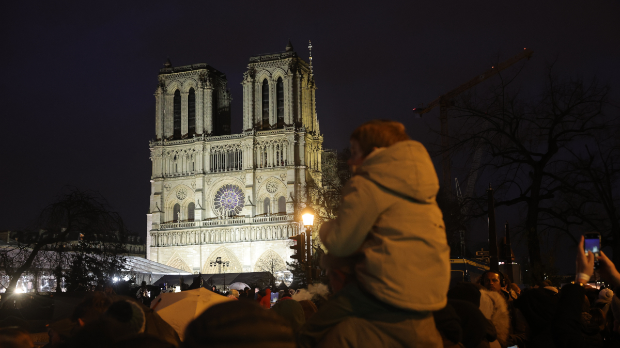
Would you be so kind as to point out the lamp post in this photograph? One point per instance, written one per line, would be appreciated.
(218, 261)
(307, 216)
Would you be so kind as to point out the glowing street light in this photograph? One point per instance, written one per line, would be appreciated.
(307, 215)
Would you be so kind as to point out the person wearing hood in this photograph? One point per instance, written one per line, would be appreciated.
(265, 300)
(390, 223)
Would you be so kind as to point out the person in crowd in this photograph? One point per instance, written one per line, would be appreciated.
(547, 284)
(15, 337)
(91, 308)
(538, 306)
(234, 294)
(265, 298)
(123, 319)
(129, 314)
(97, 307)
(498, 282)
(462, 322)
(143, 294)
(491, 305)
(510, 324)
(568, 326)
(604, 300)
(291, 310)
(246, 294)
(391, 227)
(237, 324)
(196, 283)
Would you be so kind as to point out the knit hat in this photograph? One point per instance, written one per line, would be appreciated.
(128, 313)
(605, 296)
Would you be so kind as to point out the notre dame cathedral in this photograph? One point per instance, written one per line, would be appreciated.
(232, 196)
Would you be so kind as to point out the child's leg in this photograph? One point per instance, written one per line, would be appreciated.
(353, 302)
(348, 302)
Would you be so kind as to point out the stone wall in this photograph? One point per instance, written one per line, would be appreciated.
(242, 256)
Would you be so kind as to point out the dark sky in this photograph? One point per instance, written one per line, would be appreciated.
(77, 105)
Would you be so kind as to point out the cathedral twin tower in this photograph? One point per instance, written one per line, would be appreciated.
(234, 196)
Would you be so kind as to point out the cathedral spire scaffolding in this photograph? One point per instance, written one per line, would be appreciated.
(310, 54)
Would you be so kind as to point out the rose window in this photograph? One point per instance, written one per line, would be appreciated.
(272, 187)
(229, 200)
(181, 194)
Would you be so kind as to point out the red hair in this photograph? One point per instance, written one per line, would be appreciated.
(378, 133)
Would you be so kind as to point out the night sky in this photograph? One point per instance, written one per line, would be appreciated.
(77, 98)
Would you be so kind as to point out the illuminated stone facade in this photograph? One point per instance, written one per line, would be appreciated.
(216, 194)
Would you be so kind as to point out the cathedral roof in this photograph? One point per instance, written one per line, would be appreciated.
(169, 69)
(288, 53)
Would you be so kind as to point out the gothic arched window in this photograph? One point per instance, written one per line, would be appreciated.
(280, 98)
(176, 213)
(265, 104)
(281, 205)
(266, 207)
(177, 115)
(190, 211)
(215, 103)
(191, 112)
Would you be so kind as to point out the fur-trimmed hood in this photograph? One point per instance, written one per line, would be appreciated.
(494, 307)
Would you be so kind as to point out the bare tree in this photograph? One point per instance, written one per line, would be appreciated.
(75, 215)
(525, 141)
(591, 200)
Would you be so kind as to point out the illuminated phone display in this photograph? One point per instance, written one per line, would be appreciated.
(593, 245)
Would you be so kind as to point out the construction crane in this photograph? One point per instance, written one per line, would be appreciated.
(444, 103)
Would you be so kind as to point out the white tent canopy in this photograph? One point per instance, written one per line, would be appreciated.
(238, 286)
(149, 271)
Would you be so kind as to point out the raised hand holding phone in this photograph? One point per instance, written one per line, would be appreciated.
(608, 270)
(592, 244)
(584, 263)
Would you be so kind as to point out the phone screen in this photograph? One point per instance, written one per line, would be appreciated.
(593, 245)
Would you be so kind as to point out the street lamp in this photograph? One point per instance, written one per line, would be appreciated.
(307, 216)
(218, 261)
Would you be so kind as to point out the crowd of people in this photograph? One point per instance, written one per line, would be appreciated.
(389, 279)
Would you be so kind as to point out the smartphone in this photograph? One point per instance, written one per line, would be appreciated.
(593, 245)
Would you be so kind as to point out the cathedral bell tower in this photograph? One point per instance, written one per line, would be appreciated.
(191, 100)
(278, 92)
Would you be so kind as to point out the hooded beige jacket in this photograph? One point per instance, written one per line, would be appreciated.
(390, 216)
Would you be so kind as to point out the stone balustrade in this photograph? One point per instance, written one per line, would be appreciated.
(227, 231)
(226, 222)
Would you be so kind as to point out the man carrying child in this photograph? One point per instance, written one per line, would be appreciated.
(390, 237)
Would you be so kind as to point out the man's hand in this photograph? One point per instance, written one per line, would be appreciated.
(585, 264)
(608, 270)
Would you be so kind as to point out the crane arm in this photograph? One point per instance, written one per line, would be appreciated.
(476, 80)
